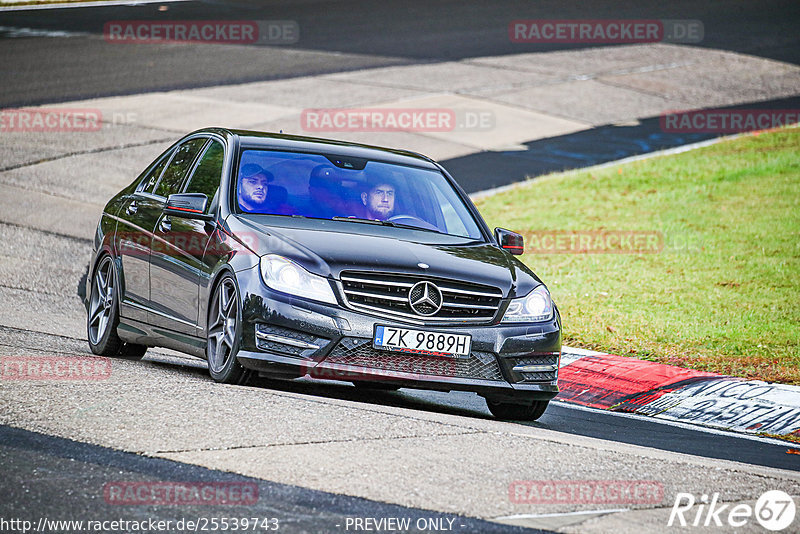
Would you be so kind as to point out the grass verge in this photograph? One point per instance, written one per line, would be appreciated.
(714, 284)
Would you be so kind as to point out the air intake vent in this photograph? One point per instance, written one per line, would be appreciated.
(359, 352)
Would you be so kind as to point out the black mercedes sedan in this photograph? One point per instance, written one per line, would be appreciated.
(288, 256)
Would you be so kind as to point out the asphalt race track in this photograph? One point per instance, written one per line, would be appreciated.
(320, 452)
(66, 472)
(336, 36)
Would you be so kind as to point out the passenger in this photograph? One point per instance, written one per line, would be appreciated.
(256, 196)
(379, 201)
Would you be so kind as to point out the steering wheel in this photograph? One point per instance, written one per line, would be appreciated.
(411, 220)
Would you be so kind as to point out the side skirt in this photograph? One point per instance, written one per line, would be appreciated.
(140, 333)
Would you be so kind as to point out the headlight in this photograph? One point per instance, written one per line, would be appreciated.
(536, 306)
(286, 276)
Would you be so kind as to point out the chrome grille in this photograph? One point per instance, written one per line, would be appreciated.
(387, 293)
(359, 352)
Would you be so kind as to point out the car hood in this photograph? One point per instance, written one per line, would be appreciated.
(326, 249)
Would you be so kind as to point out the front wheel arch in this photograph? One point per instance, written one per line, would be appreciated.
(214, 280)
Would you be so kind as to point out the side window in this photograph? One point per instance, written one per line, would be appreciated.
(206, 176)
(176, 171)
(149, 182)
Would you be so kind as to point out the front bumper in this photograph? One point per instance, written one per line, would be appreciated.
(288, 336)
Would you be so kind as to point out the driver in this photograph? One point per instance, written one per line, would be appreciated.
(379, 201)
(255, 196)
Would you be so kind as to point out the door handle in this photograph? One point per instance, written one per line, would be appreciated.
(166, 224)
(132, 208)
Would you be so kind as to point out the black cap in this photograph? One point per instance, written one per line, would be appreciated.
(252, 169)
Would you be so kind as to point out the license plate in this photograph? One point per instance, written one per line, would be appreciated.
(422, 341)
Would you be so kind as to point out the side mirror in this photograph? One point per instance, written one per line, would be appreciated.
(188, 206)
(510, 241)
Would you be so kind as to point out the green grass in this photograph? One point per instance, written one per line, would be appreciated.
(723, 294)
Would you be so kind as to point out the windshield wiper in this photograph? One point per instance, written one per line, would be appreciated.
(389, 223)
(276, 214)
(365, 221)
(411, 226)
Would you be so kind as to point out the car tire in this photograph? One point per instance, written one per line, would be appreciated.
(223, 332)
(102, 315)
(507, 411)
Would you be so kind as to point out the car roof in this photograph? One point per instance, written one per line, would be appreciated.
(256, 139)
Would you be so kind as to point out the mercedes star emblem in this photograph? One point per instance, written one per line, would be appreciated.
(425, 298)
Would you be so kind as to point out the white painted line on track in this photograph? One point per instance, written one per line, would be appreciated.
(69, 5)
(12, 32)
(561, 514)
(687, 426)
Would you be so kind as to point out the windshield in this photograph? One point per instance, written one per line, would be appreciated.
(310, 185)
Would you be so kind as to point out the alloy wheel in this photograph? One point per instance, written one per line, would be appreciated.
(224, 318)
(101, 304)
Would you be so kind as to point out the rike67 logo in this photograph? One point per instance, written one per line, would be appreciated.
(774, 510)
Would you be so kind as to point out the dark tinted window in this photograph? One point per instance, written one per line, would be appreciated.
(176, 171)
(208, 172)
(149, 182)
(293, 183)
